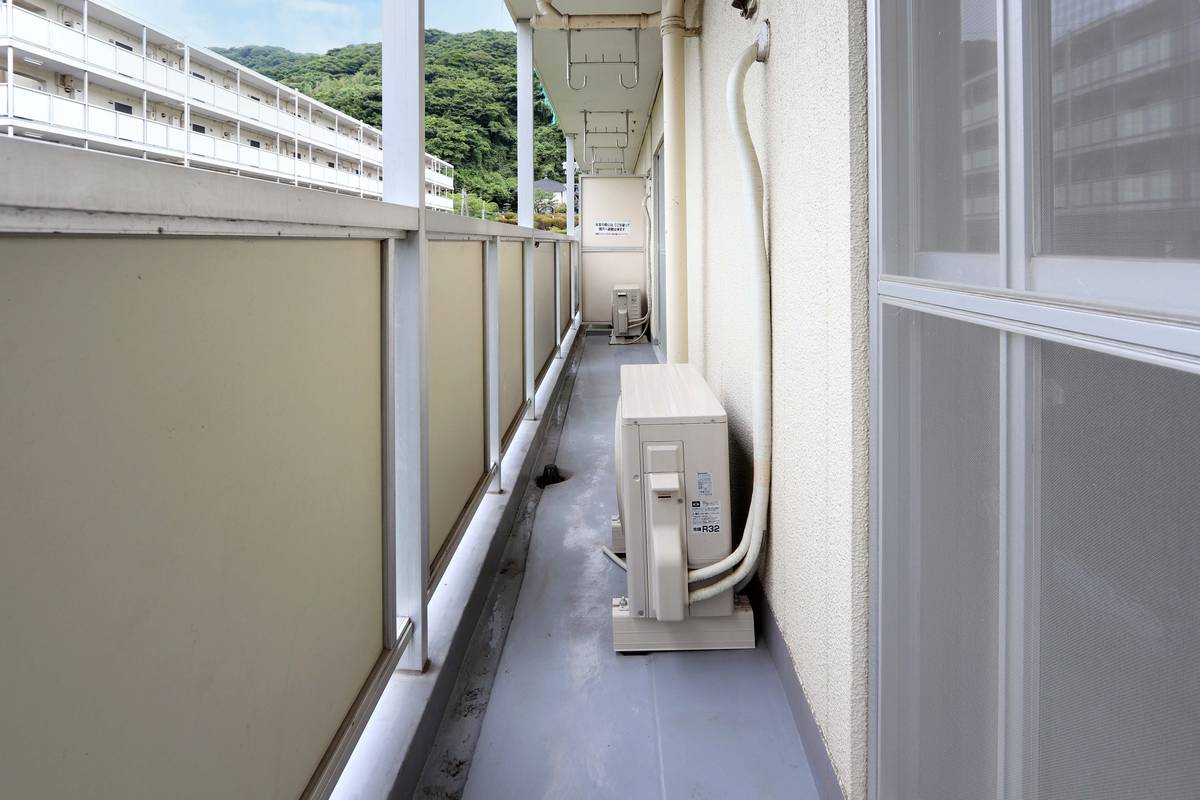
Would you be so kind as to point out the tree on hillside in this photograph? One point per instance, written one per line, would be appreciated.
(470, 102)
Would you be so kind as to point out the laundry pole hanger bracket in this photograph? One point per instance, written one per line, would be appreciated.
(607, 131)
(620, 62)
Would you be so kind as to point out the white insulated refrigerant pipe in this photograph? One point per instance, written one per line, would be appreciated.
(745, 557)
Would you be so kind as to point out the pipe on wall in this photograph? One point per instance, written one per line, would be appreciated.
(749, 550)
(674, 188)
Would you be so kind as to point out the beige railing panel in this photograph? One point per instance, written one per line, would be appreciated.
(564, 286)
(190, 511)
(603, 271)
(457, 414)
(512, 333)
(543, 300)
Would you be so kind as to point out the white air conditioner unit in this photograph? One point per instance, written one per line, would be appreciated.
(672, 470)
(627, 322)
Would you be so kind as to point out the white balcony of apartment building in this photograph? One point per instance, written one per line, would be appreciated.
(103, 45)
(66, 39)
(269, 506)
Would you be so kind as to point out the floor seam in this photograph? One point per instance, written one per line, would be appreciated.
(662, 768)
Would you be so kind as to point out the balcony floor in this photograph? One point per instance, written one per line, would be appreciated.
(569, 718)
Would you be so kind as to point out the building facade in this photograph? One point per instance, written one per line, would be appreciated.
(82, 74)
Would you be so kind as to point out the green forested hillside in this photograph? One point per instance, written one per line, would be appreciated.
(470, 101)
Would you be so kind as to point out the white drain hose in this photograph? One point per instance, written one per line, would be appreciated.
(746, 556)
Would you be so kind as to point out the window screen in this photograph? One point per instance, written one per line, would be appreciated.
(1114, 633)
(939, 549)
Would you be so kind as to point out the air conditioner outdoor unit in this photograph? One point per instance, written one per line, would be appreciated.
(627, 311)
(672, 470)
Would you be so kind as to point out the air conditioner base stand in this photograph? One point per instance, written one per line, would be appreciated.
(618, 536)
(640, 635)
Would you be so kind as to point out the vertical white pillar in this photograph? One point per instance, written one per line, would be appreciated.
(570, 168)
(674, 186)
(491, 289)
(408, 267)
(524, 124)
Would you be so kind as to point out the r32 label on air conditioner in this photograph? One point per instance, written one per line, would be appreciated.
(706, 516)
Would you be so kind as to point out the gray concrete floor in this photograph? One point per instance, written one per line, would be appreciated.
(568, 718)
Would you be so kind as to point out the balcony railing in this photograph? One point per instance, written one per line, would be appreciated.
(104, 56)
(72, 115)
(260, 265)
(97, 53)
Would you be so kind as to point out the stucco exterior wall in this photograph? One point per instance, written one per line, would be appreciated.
(807, 109)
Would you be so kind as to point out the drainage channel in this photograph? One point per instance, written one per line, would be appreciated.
(449, 762)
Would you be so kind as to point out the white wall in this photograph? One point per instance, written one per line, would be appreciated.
(807, 109)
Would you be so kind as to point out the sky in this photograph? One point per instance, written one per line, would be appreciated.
(305, 25)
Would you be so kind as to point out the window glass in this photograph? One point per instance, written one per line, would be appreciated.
(955, 130)
(1121, 105)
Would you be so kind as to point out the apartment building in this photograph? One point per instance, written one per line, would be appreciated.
(85, 74)
(305, 495)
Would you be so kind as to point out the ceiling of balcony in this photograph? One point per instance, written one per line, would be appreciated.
(604, 91)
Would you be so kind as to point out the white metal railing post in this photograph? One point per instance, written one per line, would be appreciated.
(87, 106)
(187, 105)
(8, 85)
(558, 321)
(528, 311)
(576, 277)
(524, 124)
(408, 263)
(8, 80)
(491, 290)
